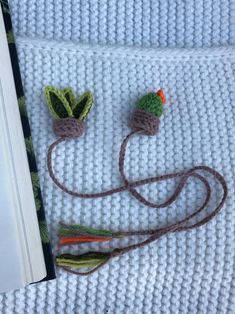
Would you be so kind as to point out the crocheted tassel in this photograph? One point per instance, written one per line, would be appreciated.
(76, 234)
(87, 260)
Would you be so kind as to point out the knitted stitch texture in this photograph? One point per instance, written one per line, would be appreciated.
(190, 272)
(162, 23)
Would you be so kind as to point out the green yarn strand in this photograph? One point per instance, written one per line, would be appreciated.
(87, 260)
(65, 230)
(93, 230)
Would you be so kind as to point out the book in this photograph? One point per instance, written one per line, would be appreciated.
(25, 249)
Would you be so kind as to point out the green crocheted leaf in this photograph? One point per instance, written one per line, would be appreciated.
(44, 232)
(83, 106)
(151, 103)
(57, 103)
(70, 97)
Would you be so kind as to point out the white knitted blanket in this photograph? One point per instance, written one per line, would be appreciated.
(120, 50)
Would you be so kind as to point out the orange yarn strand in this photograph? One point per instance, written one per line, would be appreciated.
(74, 240)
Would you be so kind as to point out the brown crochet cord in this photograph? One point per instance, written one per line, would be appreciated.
(147, 124)
(181, 225)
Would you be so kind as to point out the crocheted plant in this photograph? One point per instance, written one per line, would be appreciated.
(62, 103)
(153, 103)
(69, 112)
(146, 117)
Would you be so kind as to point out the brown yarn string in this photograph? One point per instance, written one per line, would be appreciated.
(130, 186)
(155, 234)
(141, 123)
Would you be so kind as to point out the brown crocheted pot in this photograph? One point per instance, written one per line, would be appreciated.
(68, 127)
(145, 121)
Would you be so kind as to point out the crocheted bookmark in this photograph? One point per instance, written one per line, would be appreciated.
(69, 115)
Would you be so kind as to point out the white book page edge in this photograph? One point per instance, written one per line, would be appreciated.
(26, 210)
(12, 274)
